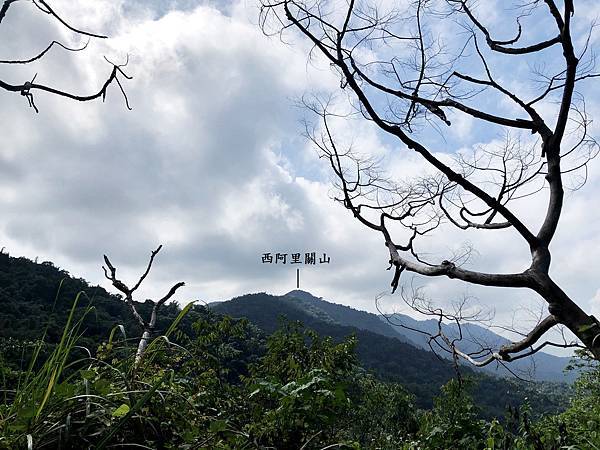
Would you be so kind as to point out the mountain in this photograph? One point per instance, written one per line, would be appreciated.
(37, 297)
(29, 305)
(541, 366)
(389, 357)
(344, 315)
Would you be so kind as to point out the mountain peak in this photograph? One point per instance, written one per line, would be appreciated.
(302, 295)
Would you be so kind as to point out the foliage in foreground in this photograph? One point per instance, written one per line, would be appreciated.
(226, 386)
(29, 299)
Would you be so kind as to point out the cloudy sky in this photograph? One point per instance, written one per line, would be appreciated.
(212, 164)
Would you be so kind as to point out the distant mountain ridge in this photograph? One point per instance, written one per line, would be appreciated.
(541, 367)
(28, 290)
(389, 357)
(27, 303)
(345, 315)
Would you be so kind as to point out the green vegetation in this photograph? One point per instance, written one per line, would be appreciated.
(209, 381)
(387, 358)
(29, 302)
(226, 386)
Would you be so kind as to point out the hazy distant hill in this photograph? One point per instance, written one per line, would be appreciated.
(541, 366)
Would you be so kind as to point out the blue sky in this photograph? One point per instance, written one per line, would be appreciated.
(211, 163)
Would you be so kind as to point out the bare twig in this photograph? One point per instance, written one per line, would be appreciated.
(110, 272)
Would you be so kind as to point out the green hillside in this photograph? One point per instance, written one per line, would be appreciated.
(420, 371)
(27, 303)
(345, 315)
(34, 296)
(260, 382)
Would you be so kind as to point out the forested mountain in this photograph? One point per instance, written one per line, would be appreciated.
(541, 367)
(345, 315)
(29, 304)
(390, 358)
(37, 297)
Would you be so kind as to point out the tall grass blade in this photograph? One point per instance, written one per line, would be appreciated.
(138, 405)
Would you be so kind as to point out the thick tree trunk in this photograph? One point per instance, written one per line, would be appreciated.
(144, 341)
(585, 327)
(568, 313)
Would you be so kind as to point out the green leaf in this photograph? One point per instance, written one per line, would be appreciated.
(64, 390)
(253, 393)
(102, 387)
(138, 405)
(218, 426)
(121, 410)
(27, 412)
(87, 374)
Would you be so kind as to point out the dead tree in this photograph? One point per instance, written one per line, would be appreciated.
(148, 326)
(409, 80)
(28, 88)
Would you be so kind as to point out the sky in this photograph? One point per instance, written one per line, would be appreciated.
(211, 163)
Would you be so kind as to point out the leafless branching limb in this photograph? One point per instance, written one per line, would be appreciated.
(110, 272)
(403, 78)
(28, 88)
(453, 339)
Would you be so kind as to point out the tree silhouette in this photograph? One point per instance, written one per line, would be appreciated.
(28, 88)
(410, 67)
(110, 272)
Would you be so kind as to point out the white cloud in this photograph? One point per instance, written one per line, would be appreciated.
(595, 304)
(199, 165)
(210, 164)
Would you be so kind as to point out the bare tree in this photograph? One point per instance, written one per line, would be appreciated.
(406, 77)
(28, 88)
(148, 326)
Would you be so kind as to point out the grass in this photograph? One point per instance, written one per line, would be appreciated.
(72, 395)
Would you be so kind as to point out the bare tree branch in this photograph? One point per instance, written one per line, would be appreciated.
(110, 272)
(46, 8)
(28, 88)
(42, 53)
(533, 336)
(400, 76)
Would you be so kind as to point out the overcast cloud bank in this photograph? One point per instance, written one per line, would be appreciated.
(211, 164)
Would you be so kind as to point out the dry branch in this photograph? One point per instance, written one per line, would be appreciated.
(417, 87)
(148, 326)
(27, 88)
